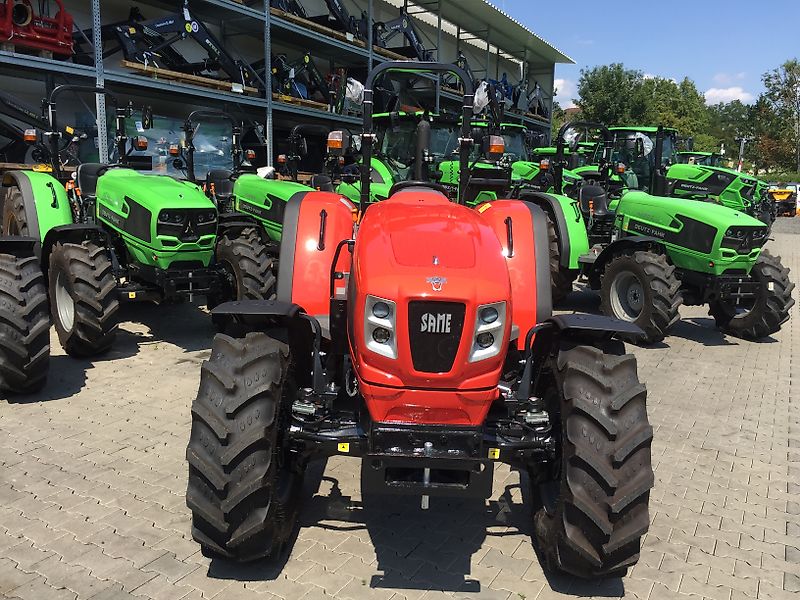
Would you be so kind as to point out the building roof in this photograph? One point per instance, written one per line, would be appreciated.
(480, 18)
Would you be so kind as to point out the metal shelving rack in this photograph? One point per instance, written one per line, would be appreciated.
(245, 19)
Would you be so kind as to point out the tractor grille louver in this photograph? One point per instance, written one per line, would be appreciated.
(435, 330)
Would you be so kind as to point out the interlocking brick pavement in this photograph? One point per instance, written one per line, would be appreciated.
(92, 482)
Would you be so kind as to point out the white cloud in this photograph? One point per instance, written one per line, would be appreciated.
(717, 95)
(566, 90)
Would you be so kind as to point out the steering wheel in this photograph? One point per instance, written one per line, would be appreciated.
(402, 185)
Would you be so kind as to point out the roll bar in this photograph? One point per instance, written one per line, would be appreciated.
(52, 117)
(368, 136)
(608, 146)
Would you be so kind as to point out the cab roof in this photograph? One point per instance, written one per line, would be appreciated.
(642, 128)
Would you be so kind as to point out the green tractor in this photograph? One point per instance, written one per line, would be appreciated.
(233, 184)
(113, 235)
(648, 254)
(650, 153)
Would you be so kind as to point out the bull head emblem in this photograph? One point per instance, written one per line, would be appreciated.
(437, 282)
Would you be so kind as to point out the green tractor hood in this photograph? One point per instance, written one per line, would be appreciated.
(162, 219)
(701, 236)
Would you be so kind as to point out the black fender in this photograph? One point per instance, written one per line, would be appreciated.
(20, 180)
(21, 247)
(284, 321)
(556, 213)
(73, 234)
(624, 245)
(544, 340)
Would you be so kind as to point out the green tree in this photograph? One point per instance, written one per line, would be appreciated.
(729, 121)
(672, 104)
(611, 94)
(782, 99)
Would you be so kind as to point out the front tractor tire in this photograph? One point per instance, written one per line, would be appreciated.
(83, 298)
(24, 325)
(244, 484)
(642, 288)
(246, 266)
(593, 515)
(770, 309)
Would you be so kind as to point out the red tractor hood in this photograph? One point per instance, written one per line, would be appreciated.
(438, 263)
(412, 239)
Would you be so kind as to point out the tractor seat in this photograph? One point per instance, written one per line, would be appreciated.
(322, 183)
(595, 195)
(223, 184)
(87, 176)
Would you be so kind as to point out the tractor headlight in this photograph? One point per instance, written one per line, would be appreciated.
(381, 335)
(381, 310)
(487, 337)
(204, 218)
(744, 239)
(380, 325)
(170, 217)
(489, 315)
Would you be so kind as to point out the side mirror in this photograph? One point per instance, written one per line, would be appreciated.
(302, 147)
(639, 147)
(493, 147)
(147, 117)
(338, 141)
(690, 144)
(355, 143)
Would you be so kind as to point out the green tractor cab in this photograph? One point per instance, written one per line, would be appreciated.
(116, 234)
(407, 146)
(654, 166)
(649, 254)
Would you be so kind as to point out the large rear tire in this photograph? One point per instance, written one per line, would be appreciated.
(15, 219)
(642, 288)
(247, 267)
(244, 483)
(83, 298)
(593, 515)
(768, 312)
(560, 278)
(24, 325)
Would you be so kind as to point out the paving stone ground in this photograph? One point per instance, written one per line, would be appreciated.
(92, 482)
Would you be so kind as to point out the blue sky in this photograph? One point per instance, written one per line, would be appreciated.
(724, 46)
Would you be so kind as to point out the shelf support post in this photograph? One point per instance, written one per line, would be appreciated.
(100, 99)
(438, 53)
(268, 77)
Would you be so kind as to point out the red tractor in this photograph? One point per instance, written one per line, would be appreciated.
(417, 334)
